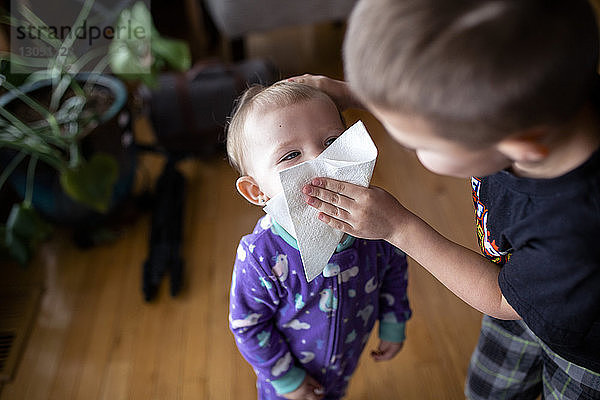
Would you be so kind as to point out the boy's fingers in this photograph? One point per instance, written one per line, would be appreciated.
(328, 209)
(336, 223)
(298, 77)
(344, 188)
(328, 197)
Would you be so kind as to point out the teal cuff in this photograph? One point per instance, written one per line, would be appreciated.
(278, 230)
(392, 331)
(290, 381)
(344, 244)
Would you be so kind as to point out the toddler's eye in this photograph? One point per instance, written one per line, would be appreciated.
(290, 156)
(330, 140)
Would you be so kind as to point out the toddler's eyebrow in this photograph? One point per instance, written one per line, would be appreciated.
(275, 152)
(279, 145)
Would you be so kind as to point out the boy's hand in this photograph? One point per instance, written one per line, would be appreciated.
(368, 213)
(310, 389)
(339, 91)
(386, 350)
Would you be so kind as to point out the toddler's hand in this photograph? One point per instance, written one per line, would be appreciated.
(310, 389)
(368, 213)
(338, 90)
(386, 350)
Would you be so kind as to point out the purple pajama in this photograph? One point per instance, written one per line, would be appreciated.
(286, 327)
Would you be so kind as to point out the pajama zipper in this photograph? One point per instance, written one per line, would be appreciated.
(337, 291)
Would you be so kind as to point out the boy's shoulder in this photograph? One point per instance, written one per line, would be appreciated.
(582, 181)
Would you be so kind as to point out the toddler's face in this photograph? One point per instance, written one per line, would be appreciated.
(283, 137)
(438, 154)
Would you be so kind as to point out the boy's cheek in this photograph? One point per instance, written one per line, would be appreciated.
(463, 164)
(443, 165)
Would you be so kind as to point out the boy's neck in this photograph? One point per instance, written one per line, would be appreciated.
(569, 147)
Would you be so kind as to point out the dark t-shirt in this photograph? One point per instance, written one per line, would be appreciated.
(546, 235)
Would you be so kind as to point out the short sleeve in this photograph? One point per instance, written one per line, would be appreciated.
(554, 285)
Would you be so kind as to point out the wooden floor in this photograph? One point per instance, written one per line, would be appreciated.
(95, 337)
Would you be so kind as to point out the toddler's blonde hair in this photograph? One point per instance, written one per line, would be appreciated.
(255, 99)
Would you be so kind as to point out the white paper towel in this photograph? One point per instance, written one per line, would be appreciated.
(350, 158)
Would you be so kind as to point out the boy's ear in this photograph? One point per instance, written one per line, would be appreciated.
(249, 188)
(526, 146)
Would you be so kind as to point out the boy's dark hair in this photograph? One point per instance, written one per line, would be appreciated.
(476, 70)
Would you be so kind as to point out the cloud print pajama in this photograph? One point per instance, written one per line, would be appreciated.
(286, 327)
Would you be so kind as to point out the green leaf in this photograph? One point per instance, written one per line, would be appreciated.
(129, 61)
(141, 14)
(130, 58)
(19, 250)
(24, 230)
(92, 182)
(175, 52)
(144, 57)
(25, 223)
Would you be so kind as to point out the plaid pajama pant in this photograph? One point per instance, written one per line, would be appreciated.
(510, 362)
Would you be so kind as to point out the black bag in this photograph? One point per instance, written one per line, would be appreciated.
(166, 234)
(189, 110)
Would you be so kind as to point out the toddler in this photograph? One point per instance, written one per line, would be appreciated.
(304, 339)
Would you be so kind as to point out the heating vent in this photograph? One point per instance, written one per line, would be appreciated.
(18, 309)
(6, 342)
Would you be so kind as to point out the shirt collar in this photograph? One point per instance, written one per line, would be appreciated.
(347, 240)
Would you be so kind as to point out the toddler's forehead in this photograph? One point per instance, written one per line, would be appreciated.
(268, 119)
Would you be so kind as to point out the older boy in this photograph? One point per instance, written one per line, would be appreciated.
(503, 90)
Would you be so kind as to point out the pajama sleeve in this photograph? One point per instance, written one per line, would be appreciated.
(252, 311)
(394, 308)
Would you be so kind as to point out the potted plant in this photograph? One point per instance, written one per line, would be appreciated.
(65, 139)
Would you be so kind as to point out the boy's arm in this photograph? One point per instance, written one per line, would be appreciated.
(466, 273)
(394, 308)
(351, 208)
(252, 309)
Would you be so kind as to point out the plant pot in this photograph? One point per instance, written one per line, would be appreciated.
(112, 136)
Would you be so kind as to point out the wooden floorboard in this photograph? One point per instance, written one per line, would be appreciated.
(95, 337)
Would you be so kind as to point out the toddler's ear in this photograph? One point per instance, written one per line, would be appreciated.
(249, 188)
